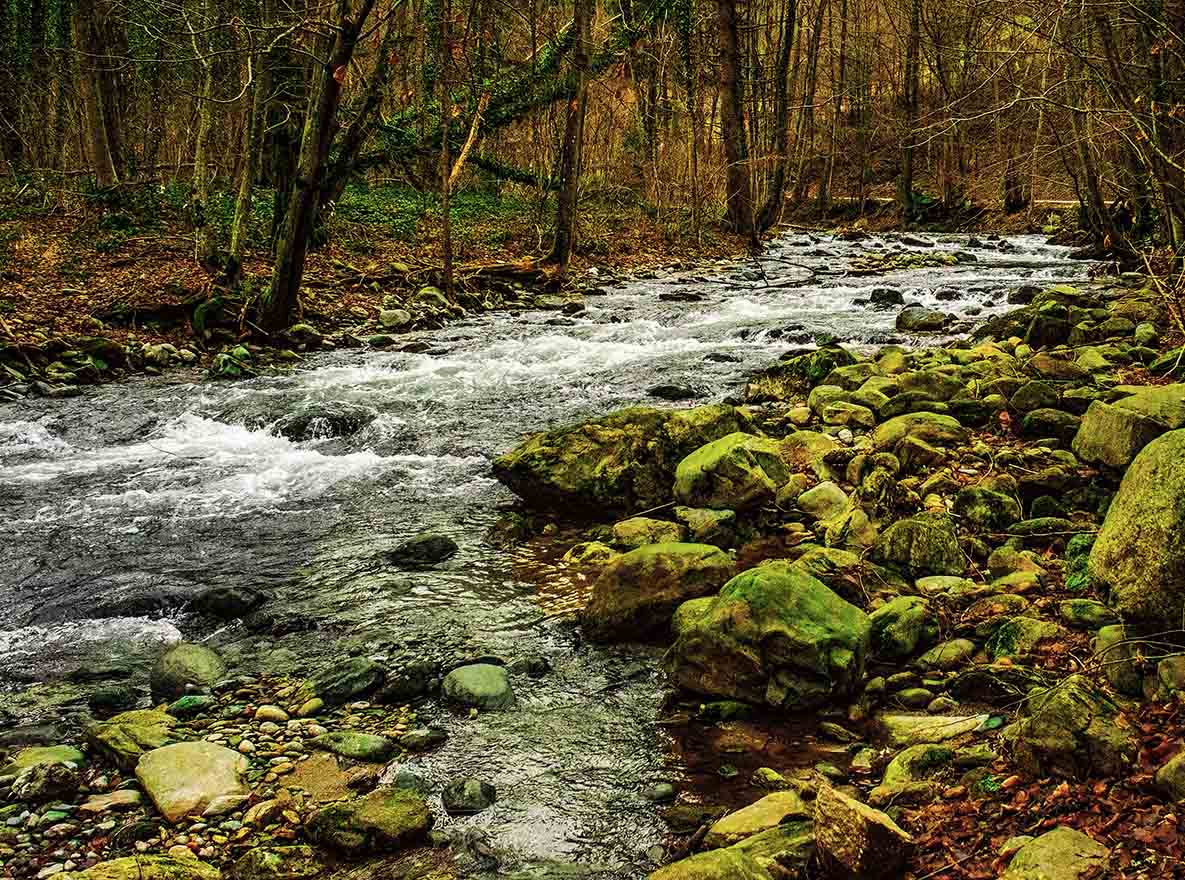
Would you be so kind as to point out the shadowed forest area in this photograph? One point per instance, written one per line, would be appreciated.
(268, 133)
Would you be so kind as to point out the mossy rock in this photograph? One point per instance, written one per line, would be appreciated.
(123, 738)
(794, 376)
(387, 819)
(922, 545)
(146, 868)
(775, 636)
(1138, 558)
(623, 461)
(637, 593)
(901, 628)
(185, 667)
(986, 508)
(1073, 729)
(736, 472)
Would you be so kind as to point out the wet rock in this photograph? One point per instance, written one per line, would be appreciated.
(736, 472)
(885, 297)
(706, 526)
(410, 681)
(227, 603)
(124, 738)
(276, 863)
(910, 730)
(590, 554)
(677, 392)
(343, 681)
(854, 840)
(323, 419)
(480, 686)
(183, 668)
(422, 738)
(146, 867)
(773, 635)
(355, 745)
(922, 545)
(1061, 854)
(638, 531)
(637, 593)
(918, 319)
(795, 374)
(422, 551)
(46, 781)
(184, 778)
(1138, 555)
(1071, 730)
(467, 795)
(385, 820)
(394, 319)
(766, 813)
(901, 627)
(38, 755)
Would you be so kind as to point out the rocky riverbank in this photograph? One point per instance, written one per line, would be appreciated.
(892, 545)
(963, 558)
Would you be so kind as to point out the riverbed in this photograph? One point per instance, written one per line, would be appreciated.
(118, 506)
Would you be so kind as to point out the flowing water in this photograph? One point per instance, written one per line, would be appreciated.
(119, 505)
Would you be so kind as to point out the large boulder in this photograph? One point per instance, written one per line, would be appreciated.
(387, 819)
(1113, 434)
(345, 680)
(145, 867)
(622, 461)
(1138, 557)
(736, 472)
(1073, 729)
(183, 668)
(1061, 854)
(323, 419)
(637, 593)
(926, 544)
(774, 635)
(856, 841)
(184, 778)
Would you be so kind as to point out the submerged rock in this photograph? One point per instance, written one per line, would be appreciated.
(323, 419)
(638, 592)
(774, 636)
(467, 795)
(422, 551)
(480, 686)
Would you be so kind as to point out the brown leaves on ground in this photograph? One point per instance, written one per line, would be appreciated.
(961, 838)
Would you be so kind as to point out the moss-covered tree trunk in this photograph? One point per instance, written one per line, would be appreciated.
(279, 302)
(566, 203)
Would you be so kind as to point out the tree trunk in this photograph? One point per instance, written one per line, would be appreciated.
(566, 202)
(203, 248)
(280, 301)
(912, 52)
(738, 195)
(249, 168)
(86, 44)
(775, 198)
(837, 111)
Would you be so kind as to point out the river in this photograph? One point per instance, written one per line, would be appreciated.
(118, 505)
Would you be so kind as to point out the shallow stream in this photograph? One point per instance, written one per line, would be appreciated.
(118, 505)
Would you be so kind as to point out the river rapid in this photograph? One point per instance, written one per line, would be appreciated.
(118, 506)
